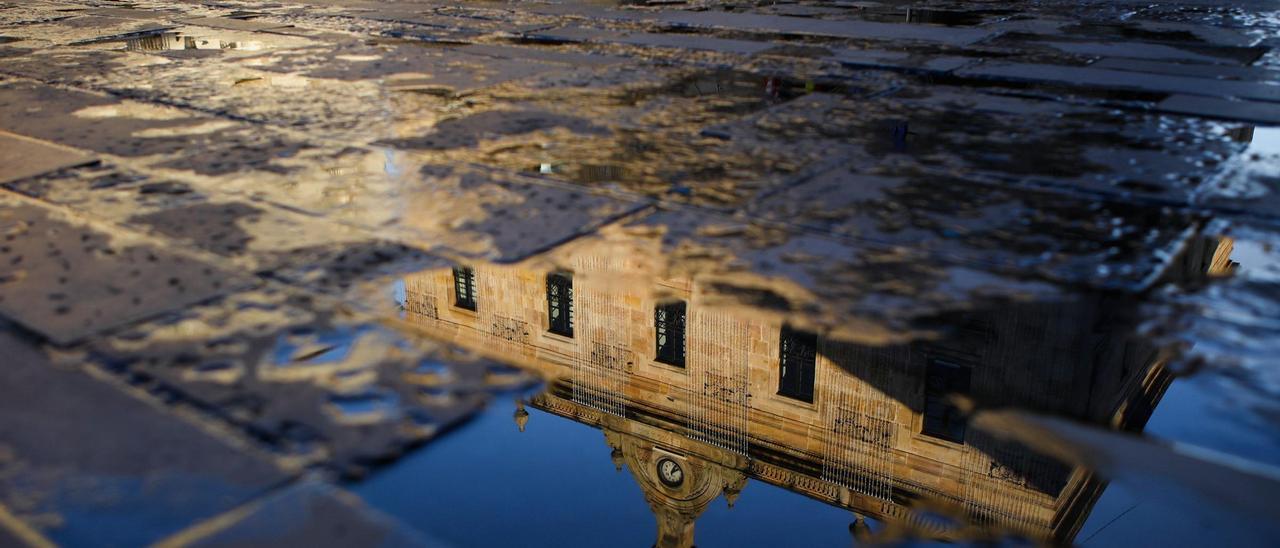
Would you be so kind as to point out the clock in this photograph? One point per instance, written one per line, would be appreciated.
(670, 473)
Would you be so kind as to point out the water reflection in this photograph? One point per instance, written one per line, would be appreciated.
(696, 401)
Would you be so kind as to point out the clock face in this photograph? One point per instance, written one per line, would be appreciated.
(670, 472)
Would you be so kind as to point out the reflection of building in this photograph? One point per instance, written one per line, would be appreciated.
(696, 401)
(162, 41)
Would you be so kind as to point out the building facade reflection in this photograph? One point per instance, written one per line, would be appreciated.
(696, 401)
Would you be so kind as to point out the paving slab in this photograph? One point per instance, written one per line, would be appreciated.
(73, 66)
(648, 39)
(410, 66)
(307, 381)
(21, 157)
(1073, 240)
(104, 124)
(1019, 140)
(66, 278)
(343, 268)
(507, 217)
(310, 513)
(1171, 32)
(654, 144)
(541, 55)
(1227, 109)
(1157, 52)
(865, 30)
(134, 13)
(1217, 72)
(252, 234)
(135, 474)
(233, 24)
(344, 111)
(84, 29)
(851, 290)
(902, 61)
(1098, 78)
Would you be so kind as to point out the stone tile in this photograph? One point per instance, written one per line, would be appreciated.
(304, 379)
(134, 13)
(1216, 72)
(901, 61)
(541, 55)
(21, 157)
(254, 235)
(108, 192)
(862, 30)
(1012, 231)
(233, 24)
(495, 215)
(343, 268)
(67, 279)
(309, 513)
(654, 144)
(409, 66)
(84, 29)
(1120, 80)
(174, 138)
(261, 237)
(344, 111)
(60, 65)
(1211, 107)
(851, 290)
(135, 472)
(646, 39)
(1156, 52)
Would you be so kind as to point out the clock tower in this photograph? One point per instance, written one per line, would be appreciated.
(678, 486)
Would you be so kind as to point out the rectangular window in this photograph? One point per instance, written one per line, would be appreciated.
(798, 359)
(464, 287)
(560, 303)
(669, 322)
(942, 419)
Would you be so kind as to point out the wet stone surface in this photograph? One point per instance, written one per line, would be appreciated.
(901, 271)
(316, 385)
(67, 280)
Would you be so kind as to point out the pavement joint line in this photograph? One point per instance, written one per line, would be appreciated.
(212, 525)
(78, 216)
(20, 529)
(209, 424)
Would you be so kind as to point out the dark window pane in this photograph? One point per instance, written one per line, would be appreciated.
(560, 303)
(669, 322)
(941, 418)
(464, 287)
(798, 359)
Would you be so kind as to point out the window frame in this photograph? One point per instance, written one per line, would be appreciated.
(467, 275)
(785, 388)
(935, 407)
(562, 302)
(675, 356)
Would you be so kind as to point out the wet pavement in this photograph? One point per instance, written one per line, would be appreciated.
(639, 273)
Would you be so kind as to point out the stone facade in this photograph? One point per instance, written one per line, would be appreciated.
(860, 442)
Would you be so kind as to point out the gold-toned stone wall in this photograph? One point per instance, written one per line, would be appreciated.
(864, 425)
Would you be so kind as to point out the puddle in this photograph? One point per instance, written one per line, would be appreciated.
(750, 416)
(193, 41)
